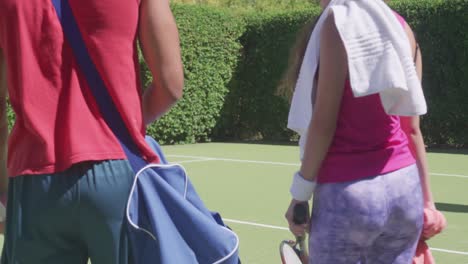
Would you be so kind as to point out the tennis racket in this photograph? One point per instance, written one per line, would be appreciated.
(295, 252)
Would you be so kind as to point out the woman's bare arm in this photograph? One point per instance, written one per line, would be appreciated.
(332, 75)
(412, 129)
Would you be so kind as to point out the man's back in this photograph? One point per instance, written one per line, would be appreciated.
(56, 114)
(69, 180)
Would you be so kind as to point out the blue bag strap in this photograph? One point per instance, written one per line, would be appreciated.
(98, 88)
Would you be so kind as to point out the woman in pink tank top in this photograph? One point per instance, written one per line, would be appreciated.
(366, 169)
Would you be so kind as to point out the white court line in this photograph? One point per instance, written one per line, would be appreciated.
(450, 251)
(287, 229)
(254, 224)
(190, 161)
(200, 158)
(236, 160)
(448, 175)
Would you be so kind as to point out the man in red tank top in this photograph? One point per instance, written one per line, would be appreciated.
(69, 179)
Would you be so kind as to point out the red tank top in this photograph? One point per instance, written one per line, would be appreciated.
(367, 141)
(58, 123)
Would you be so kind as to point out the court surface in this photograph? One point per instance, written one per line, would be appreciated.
(248, 184)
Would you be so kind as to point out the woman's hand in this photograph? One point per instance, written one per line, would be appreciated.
(297, 230)
(434, 223)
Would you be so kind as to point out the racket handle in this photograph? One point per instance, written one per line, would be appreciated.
(301, 242)
(300, 213)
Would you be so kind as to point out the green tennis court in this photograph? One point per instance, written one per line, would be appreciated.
(248, 184)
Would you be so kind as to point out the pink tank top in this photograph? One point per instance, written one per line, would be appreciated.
(367, 141)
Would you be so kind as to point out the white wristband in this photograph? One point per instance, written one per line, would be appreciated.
(302, 189)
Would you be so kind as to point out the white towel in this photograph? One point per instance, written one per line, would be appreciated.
(379, 60)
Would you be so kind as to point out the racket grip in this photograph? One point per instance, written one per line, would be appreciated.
(300, 213)
(301, 242)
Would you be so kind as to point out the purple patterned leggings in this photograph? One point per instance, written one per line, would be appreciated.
(374, 220)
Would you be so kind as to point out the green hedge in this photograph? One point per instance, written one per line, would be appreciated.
(210, 51)
(441, 28)
(252, 110)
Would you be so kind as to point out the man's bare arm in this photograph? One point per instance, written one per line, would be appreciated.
(159, 39)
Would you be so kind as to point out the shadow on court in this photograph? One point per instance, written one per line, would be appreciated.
(455, 208)
(462, 151)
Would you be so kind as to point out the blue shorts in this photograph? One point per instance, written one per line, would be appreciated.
(69, 217)
(373, 220)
